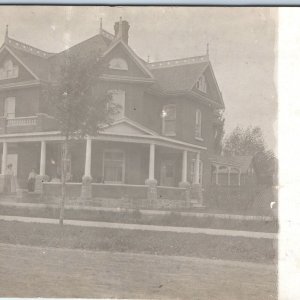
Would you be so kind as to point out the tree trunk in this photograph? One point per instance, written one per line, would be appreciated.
(64, 156)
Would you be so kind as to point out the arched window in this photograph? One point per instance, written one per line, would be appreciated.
(201, 84)
(118, 64)
(9, 70)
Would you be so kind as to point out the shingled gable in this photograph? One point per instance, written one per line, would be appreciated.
(127, 126)
(140, 64)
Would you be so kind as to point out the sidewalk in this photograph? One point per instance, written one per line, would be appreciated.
(208, 231)
(142, 211)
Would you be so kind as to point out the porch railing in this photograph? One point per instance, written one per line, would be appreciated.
(22, 121)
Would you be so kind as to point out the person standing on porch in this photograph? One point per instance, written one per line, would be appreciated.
(10, 183)
(31, 180)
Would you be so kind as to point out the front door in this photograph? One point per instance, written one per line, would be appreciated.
(167, 173)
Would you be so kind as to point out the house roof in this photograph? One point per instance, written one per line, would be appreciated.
(243, 162)
(181, 76)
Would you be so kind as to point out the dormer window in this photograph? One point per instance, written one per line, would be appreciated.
(118, 64)
(201, 84)
(9, 70)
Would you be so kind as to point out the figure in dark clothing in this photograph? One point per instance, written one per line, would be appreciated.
(31, 181)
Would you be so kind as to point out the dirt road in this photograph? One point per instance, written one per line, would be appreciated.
(50, 272)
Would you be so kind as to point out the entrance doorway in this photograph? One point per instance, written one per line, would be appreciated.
(167, 173)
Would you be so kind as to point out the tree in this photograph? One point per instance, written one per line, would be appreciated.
(250, 141)
(219, 131)
(77, 106)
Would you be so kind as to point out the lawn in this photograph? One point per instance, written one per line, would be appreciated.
(138, 241)
(136, 217)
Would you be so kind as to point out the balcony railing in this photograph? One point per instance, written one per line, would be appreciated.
(38, 123)
(23, 121)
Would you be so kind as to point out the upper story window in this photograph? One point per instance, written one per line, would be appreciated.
(201, 84)
(9, 70)
(169, 120)
(198, 124)
(10, 108)
(117, 104)
(118, 64)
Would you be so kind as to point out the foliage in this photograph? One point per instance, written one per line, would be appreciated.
(78, 107)
(250, 141)
(219, 131)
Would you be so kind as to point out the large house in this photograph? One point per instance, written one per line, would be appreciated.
(161, 139)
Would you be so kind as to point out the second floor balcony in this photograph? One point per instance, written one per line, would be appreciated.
(38, 123)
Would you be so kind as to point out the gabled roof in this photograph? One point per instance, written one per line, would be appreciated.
(242, 162)
(131, 53)
(179, 77)
(127, 126)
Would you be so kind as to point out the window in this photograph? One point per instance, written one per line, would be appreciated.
(113, 166)
(169, 120)
(201, 84)
(10, 108)
(9, 70)
(193, 171)
(117, 104)
(118, 64)
(198, 125)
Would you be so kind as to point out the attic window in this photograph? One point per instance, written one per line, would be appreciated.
(201, 84)
(118, 64)
(9, 70)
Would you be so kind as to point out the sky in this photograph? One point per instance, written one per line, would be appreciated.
(242, 46)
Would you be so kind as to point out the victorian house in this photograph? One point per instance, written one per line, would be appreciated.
(159, 144)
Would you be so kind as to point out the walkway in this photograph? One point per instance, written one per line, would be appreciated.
(208, 231)
(142, 211)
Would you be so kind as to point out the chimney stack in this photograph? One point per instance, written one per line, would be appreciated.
(121, 30)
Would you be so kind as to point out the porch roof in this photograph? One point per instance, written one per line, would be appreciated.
(105, 136)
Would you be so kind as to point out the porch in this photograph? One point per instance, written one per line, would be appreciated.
(107, 167)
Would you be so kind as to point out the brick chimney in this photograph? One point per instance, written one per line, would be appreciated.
(121, 30)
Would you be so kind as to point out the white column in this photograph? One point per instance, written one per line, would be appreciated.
(88, 158)
(43, 159)
(151, 161)
(217, 175)
(239, 183)
(184, 166)
(196, 168)
(229, 171)
(4, 158)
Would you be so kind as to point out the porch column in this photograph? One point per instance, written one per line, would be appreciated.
(43, 159)
(239, 178)
(229, 172)
(152, 162)
(197, 187)
(151, 182)
(41, 177)
(217, 174)
(3, 167)
(88, 158)
(4, 158)
(196, 169)
(86, 189)
(184, 166)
